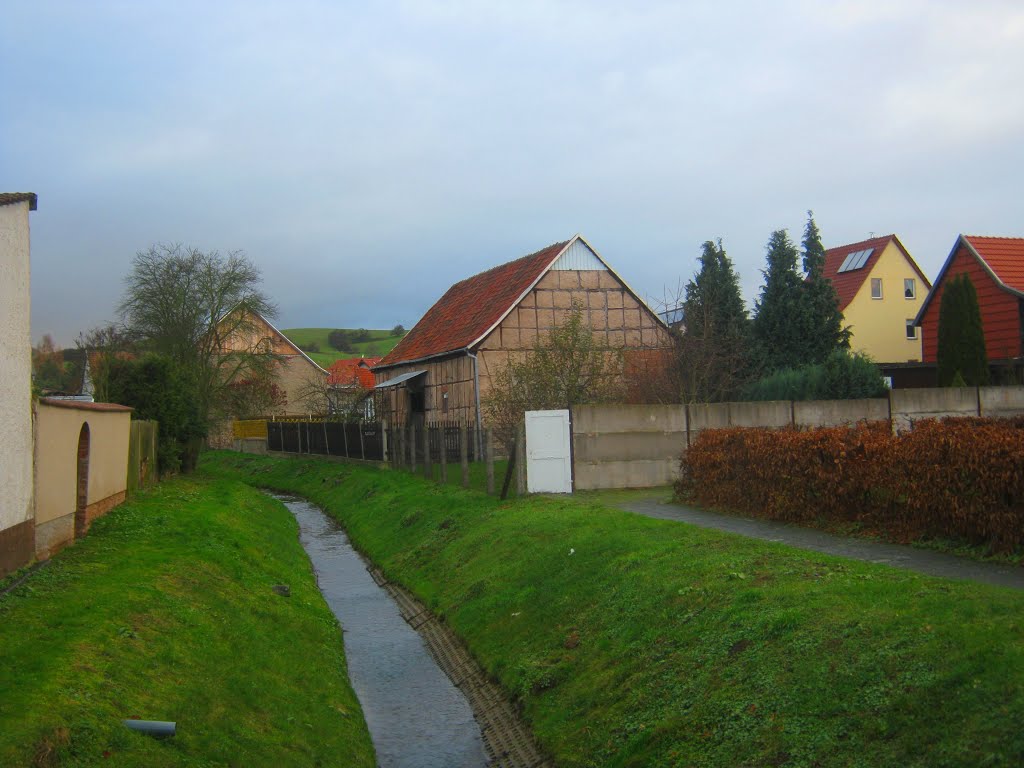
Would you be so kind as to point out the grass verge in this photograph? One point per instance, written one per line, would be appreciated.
(639, 642)
(165, 612)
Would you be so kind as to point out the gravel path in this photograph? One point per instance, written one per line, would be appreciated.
(896, 555)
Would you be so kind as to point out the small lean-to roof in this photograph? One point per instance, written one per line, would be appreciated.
(81, 405)
(10, 198)
(400, 379)
(1001, 257)
(847, 284)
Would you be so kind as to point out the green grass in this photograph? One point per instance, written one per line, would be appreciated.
(165, 612)
(380, 343)
(630, 641)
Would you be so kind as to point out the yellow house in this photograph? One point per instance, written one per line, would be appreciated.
(880, 290)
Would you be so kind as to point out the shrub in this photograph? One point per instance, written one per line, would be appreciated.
(956, 478)
(310, 347)
(843, 376)
(157, 389)
(340, 339)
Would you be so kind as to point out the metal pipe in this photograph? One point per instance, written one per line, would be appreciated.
(158, 729)
(476, 395)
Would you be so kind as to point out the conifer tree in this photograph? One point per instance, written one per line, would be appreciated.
(961, 338)
(779, 324)
(715, 358)
(823, 331)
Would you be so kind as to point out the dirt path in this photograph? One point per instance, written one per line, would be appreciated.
(897, 555)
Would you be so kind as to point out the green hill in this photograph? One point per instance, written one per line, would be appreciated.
(380, 343)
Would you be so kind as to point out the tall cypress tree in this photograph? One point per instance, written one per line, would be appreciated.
(823, 331)
(715, 344)
(779, 323)
(961, 338)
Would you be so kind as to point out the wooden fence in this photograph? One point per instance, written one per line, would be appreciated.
(142, 442)
(439, 451)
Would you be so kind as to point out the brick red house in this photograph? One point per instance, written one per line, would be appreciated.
(996, 267)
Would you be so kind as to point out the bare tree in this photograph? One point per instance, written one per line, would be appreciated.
(566, 367)
(197, 308)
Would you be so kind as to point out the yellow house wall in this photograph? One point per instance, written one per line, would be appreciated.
(879, 325)
(56, 469)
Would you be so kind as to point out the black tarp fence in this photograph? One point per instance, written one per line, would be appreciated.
(352, 440)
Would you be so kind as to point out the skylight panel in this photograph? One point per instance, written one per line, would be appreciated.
(862, 258)
(855, 260)
(845, 266)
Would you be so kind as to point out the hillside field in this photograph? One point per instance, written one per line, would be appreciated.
(381, 342)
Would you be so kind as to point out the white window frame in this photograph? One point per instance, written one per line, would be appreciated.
(911, 327)
(880, 294)
(913, 288)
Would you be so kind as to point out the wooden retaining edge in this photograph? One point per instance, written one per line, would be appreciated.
(507, 740)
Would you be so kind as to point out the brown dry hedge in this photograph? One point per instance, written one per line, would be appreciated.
(957, 478)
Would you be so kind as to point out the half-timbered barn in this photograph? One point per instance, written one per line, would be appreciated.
(444, 366)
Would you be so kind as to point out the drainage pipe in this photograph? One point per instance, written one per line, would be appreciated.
(158, 729)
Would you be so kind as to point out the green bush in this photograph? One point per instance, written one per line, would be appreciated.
(156, 388)
(843, 376)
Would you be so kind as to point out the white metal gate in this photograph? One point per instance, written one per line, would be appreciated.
(548, 457)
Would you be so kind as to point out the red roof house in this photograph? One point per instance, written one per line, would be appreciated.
(996, 267)
(445, 364)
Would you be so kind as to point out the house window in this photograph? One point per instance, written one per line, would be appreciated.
(911, 329)
(444, 402)
(876, 287)
(909, 288)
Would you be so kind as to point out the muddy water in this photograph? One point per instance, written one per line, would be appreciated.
(416, 716)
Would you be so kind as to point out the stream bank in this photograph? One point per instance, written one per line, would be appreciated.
(426, 702)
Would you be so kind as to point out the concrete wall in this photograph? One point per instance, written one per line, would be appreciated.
(1001, 401)
(910, 405)
(627, 446)
(617, 446)
(836, 413)
(16, 528)
(58, 426)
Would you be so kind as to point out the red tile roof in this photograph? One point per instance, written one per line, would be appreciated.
(349, 372)
(471, 307)
(847, 284)
(1004, 256)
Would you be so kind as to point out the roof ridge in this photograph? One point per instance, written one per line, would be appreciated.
(862, 242)
(994, 237)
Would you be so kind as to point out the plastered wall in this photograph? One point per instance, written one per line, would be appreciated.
(15, 388)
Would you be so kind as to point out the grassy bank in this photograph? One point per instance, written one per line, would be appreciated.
(639, 642)
(165, 612)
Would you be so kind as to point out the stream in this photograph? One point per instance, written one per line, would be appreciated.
(416, 716)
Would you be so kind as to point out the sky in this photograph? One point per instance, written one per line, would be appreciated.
(365, 156)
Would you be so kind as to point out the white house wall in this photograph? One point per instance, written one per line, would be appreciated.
(15, 388)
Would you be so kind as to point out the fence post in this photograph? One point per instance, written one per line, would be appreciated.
(444, 453)
(427, 469)
(521, 462)
(384, 455)
(412, 448)
(362, 445)
(464, 453)
(344, 437)
(489, 454)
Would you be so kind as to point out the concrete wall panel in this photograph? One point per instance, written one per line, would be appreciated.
(834, 413)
